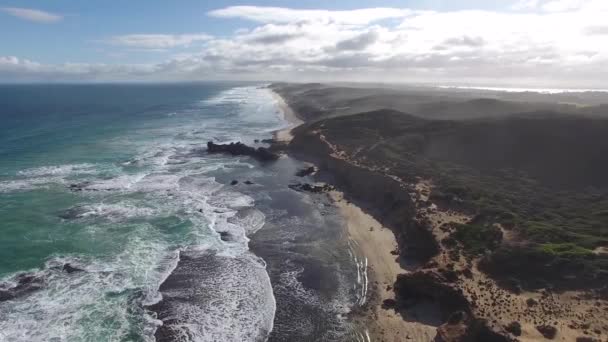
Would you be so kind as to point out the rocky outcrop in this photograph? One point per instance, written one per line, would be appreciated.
(25, 284)
(306, 171)
(240, 149)
(430, 286)
(305, 187)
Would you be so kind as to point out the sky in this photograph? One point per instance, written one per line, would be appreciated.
(519, 43)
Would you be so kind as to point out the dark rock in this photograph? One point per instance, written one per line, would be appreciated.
(586, 339)
(80, 186)
(234, 182)
(514, 328)
(449, 275)
(26, 284)
(225, 236)
(467, 273)
(306, 171)
(268, 141)
(240, 149)
(547, 331)
(248, 182)
(430, 285)
(311, 188)
(531, 302)
(5, 295)
(389, 304)
(457, 317)
(71, 269)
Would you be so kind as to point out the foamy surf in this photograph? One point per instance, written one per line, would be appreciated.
(151, 217)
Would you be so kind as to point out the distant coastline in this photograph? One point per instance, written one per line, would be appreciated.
(526, 90)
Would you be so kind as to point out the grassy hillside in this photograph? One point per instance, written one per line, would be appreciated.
(543, 177)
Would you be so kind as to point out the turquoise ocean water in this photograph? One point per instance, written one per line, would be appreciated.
(104, 187)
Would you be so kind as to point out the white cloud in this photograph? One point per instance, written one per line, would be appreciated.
(540, 45)
(526, 4)
(287, 15)
(32, 14)
(158, 41)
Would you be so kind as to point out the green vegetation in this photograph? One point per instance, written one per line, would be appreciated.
(544, 177)
(565, 250)
(478, 239)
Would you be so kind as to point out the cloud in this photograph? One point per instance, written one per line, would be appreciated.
(465, 41)
(596, 30)
(287, 15)
(32, 14)
(271, 34)
(158, 41)
(358, 42)
(526, 4)
(563, 5)
(537, 45)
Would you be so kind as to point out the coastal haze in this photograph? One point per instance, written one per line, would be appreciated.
(279, 171)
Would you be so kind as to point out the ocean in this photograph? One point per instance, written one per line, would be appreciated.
(116, 225)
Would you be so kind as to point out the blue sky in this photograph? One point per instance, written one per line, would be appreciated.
(510, 41)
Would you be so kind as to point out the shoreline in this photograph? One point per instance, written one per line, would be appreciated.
(284, 135)
(374, 242)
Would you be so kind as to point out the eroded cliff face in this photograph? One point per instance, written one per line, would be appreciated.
(388, 199)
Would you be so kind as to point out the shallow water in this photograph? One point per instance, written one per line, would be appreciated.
(113, 180)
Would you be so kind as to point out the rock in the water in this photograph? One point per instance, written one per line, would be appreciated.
(306, 171)
(547, 331)
(71, 269)
(26, 284)
(311, 188)
(248, 182)
(240, 149)
(234, 182)
(225, 236)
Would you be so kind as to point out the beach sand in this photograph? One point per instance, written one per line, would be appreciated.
(375, 242)
(284, 135)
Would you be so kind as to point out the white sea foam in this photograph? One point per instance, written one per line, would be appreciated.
(123, 182)
(70, 305)
(59, 170)
(29, 184)
(114, 211)
(236, 304)
(164, 179)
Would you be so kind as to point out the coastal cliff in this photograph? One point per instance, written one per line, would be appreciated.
(468, 203)
(393, 203)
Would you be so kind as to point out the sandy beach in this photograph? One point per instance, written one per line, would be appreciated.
(375, 242)
(284, 135)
